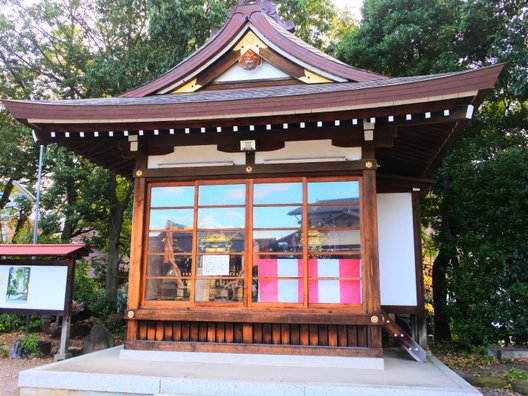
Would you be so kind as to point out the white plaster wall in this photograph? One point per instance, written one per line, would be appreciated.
(309, 151)
(396, 249)
(263, 72)
(189, 156)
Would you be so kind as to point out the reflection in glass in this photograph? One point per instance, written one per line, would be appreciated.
(277, 217)
(277, 241)
(171, 219)
(221, 218)
(172, 196)
(278, 193)
(333, 192)
(170, 242)
(219, 290)
(333, 216)
(226, 194)
(169, 265)
(219, 265)
(168, 289)
(221, 242)
(334, 240)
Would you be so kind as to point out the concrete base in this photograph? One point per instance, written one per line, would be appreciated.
(104, 373)
(255, 360)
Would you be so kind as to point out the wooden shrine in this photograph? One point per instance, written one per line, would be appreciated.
(276, 190)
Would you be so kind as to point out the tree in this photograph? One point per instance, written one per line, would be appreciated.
(478, 277)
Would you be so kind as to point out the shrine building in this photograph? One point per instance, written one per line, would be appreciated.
(276, 191)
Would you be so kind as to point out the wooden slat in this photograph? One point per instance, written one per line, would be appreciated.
(238, 333)
(142, 329)
(304, 334)
(247, 329)
(202, 332)
(332, 335)
(211, 332)
(160, 331)
(352, 336)
(168, 331)
(229, 333)
(176, 331)
(220, 332)
(151, 332)
(314, 335)
(185, 331)
(266, 333)
(285, 334)
(276, 334)
(257, 333)
(194, 332)
(362, 336)
(342, 336)
(323, 335)
(294, 335)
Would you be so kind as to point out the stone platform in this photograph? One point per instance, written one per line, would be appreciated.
(115, 372)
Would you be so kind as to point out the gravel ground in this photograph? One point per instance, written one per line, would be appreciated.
(9, 369)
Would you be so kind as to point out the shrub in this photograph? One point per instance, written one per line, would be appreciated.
(30, 344)
(4, 352)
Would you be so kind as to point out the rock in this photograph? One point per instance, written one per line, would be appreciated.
(44, 348)
(98, 339)
(82, 328)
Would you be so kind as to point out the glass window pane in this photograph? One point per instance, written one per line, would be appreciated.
(169, 265)
(277, 241)
(278, 267)
(172, 196)
(220, 290)
(219, 265)
(170, 242)
(278, 193)
(278, 291)
(334, 240)
(335, 267)
(324, 291)
(171, 219)
(277, 217)
(221, 218)
(333, 216)
(333, 192)
(168, 289)
(221, 242)
(225, 194)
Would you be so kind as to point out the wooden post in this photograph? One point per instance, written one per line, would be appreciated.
(370, 240)
(136, 249)
(420, 325)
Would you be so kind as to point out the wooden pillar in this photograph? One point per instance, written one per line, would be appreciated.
(420, 325)
(370, 237)
(136, 251)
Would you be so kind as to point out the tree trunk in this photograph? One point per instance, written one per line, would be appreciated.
(117, 211)
(21, 222)
(6, 194)
(442, 331)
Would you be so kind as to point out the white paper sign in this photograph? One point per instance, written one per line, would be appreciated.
(33, 287)
(215, 265)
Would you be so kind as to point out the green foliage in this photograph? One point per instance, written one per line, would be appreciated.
(514, 374)
(14, 322)
(30, 344)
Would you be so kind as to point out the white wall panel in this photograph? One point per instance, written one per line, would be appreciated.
(396, 249)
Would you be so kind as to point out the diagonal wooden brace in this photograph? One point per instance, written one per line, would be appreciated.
(403, 339)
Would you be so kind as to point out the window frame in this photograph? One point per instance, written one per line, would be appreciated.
(248, 256)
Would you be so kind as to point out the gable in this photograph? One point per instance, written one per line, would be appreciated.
(246, 61)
